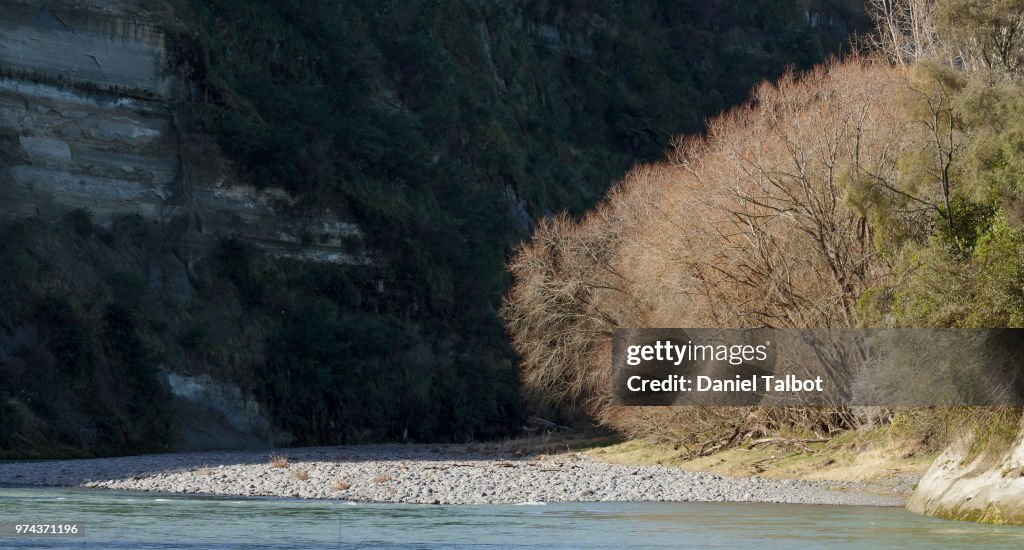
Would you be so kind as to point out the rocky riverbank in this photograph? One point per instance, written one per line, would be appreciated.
(428, 474)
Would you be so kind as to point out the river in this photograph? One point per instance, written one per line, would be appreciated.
(113, 519)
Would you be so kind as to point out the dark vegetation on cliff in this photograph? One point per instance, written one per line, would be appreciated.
(880, 191)
(445, 129)
(446, 126)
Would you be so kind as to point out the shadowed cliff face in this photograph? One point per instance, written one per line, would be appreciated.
(205, 240)
(90, 104)
(89, 111)
(95, 45)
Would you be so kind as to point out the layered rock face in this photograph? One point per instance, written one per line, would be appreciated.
(89, 115)
(91, 102)
(982, 488)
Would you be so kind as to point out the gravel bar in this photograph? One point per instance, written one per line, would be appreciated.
(428, 474)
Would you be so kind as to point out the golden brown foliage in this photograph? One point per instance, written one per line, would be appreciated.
(341, 485)
(748, 226)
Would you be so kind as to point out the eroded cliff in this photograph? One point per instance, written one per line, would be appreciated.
(971, 481)
(89, 109)
(91, 103)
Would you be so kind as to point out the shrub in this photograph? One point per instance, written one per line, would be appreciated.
(341, 485)
(278, 460)
(80, 220)
(744, 227)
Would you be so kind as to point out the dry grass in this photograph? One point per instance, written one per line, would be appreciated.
(279, 461)
(381, 478)
(993, 431)
(301, 475)
(876, 455)
(341, 485)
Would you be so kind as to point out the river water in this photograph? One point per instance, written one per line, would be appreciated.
(136, 520)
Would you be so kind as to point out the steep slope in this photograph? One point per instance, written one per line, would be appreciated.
(89, 108)
(90, 104)
(251, 223)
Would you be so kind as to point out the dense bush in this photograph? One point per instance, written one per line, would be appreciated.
(746, 226)
(862, 193)
(341, 365)
(78, 377)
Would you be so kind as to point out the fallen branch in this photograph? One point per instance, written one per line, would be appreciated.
(535, 422)
(786, 441)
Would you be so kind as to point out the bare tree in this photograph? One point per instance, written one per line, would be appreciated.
(905, 30)
(794, 251)
(749, 225)
(963, 34)
(567, 298)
